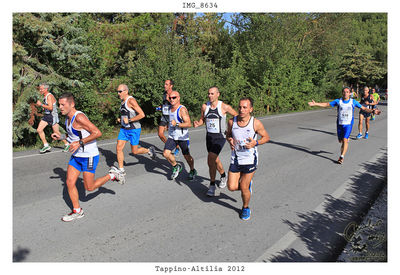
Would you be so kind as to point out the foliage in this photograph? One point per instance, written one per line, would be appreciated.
(281, 60)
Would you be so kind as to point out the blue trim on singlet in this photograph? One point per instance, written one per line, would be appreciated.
(177, 114)
(76, 132)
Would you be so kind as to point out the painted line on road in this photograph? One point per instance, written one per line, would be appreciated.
(156, 136)
(290, 237)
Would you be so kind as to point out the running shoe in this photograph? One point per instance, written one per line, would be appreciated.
(211, 191)
(340, 160)
(366, 136)
(176, 152)
(152, 152)
(222, 182)
(192, 174)
(372, 117)
(66, 148)
(119, 175)
(245, 215)
(176, 170)
(73, 216)
(359, 136)
(45, 149)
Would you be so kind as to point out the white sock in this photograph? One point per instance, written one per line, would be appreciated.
(122, 169)
(112, 176)
(46, 144)
(342, 156)
(77, 210)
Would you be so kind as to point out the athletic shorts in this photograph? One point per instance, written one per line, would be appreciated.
(344, 131)
(50, 119)
(245, 169)
(171, 144)
(133, 135)
(84, 164)
(365, 114)
(214, 145)
(164, 120)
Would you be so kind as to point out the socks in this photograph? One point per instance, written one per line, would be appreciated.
(223, 175)
(77, 210)
(212, 183)
(112, 176)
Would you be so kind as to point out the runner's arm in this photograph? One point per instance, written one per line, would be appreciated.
(228, 109)
(201, 120)
(229, 137)
(84, 123)
(184, 114)
(135, 106)
(319, 104)
(260, 130)
(50, 103)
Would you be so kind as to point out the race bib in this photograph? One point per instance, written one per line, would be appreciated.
(165, 110)
(240, 145)
(345, 115)
(212, 125)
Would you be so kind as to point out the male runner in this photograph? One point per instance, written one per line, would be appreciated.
(213, 113)
(242, 137)
(376, 98)
(368, 102)
(164, 108)
(130, 130)
(82, 135)
(50, 117)
(178, 134)
(345, 117)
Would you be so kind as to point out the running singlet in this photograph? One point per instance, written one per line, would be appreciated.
(345, 110)
(241, 136)
(176, 132)
(365, 100)
(128, 113)
(165, 105)
(54, 112)
(215, 120)
(90, 149)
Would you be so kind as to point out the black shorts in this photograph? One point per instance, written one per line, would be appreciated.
(164, 120)
(50, 119)
(365, 114)
(235, 167)
(171, 144)
(215, 144)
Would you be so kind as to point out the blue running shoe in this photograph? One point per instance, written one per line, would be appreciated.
(245, 215)
(359, 136)
(366, 136)
(176, 152)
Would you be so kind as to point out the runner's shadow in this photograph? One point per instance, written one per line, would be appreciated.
(303, 149)
(62, 174)
(318, 130)
(199, 190)
(109, 155)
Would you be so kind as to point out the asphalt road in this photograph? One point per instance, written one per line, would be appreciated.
(302, 200)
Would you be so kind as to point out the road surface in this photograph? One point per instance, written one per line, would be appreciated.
(302, 200)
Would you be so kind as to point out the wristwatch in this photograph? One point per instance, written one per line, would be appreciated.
(81, 143)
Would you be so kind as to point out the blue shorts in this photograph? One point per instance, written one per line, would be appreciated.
(235, 167)
(344, 131)
(133, 135)
(84, 164)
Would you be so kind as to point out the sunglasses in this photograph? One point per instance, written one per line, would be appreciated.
(120, 91)
(173, 97)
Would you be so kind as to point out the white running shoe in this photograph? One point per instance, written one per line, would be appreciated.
(211, 191)
(73, 216)
(152, 152)
(119, 175)
(222, 183)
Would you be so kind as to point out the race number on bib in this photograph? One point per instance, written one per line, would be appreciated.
(165, 110)
(213, 125)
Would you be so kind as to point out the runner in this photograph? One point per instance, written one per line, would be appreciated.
(82, 135)
(130, 130)
(242, 137)
(164, 108)
(376, 98)
(213, 113)
(345, 117)
(178, 134)
(368, 102)
(50, 117)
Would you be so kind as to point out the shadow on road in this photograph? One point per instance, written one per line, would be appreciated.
(318, 130)
(304, 149)
(323, 234)
(20, 254)
(62, 174)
